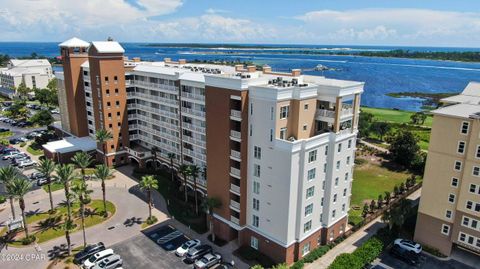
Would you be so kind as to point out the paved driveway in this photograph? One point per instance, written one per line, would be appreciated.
(387, 261)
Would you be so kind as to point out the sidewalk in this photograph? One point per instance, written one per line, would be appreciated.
(355, 240)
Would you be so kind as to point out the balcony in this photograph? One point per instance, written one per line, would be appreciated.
(193, 96)
(236, 115)
(234, 188)
(235, 172)
(235, 154)
(235, 205)
(330, 114)
(235, 135)
(234, 220)
(193, 112)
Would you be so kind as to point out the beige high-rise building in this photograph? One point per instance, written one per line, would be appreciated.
(449, 212)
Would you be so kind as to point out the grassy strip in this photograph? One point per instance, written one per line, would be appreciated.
(6, 134)
(34, 151)
(394, 116)
(59, 186)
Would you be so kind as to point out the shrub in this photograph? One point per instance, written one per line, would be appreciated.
(316, 253)
(433, 251)
(151, 220)
(28, 240)
(2, 199)
(23, 144)
(360, 257)
(346, 260)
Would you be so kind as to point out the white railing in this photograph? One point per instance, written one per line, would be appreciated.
(234, 188)
(128, 82)
(235, 171)
(345, 131)
(331, 113)
(190, 111)
(236, 113)
(196, 141)
(156, 86)
(234, 204)
(193, 96)
(235, 134)
(234, 220)
(192, 127)
(235, 154)
(150, 97)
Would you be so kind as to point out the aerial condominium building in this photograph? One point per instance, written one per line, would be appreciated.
(277, 149)
(449, 212)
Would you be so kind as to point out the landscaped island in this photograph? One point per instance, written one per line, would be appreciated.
(430, 99)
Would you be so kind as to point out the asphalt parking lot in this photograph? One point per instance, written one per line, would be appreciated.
(387, 261)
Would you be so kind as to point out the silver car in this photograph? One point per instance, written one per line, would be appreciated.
(110, 262)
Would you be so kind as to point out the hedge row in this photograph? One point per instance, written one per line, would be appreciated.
(363, 255)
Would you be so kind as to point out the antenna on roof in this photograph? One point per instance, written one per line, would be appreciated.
(110, 38)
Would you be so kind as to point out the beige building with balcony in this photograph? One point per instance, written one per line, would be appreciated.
(449, 211)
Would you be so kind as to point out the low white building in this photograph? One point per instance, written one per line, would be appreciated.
(35, 73)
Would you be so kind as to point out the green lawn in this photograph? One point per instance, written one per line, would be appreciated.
(34, 149)
(369, 181)
(6, 134)
(394, 116)
(58, 186)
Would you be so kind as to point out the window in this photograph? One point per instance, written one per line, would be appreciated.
(284, 112)
(306, 249)
(116, 91)
(256, 187)
(106, 79)
(311, 174)
(454, 182)
(465, 221)
(464, 129)
(448, 214)
(271, 135)
(107, 92)
(344, 192)
(458, 165)
(312, 156)
(350, 143)
(348, 160)
(325, 167)
(445, 229)
(335, 198)
(305, 127)
(477, 154)
(333, 214)
(307, 226)
(451, 198)
(476, 171)
(473, 188)
(305, 106)
(343, 207)
(339, 149)
(469, 205)
(338, 165)
(326, 150)
(108, 104)
(256, 204)
(321, 201)
(271, 113)
(346, 176)
(461, 237)
(251, 108)
(461, 147)
(308, 210)
(257, 152)
(323, 185)
(321, 217)
(336, 181)
(254, 242)
(310, 192)
(256, 170)
(115, 78)
(117, 103)
(283, 133)
(255, 221)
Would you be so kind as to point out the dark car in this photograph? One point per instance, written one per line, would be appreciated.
(407, 256)
(196, 253)
(14, 141)
(88, 251)
(2, 130)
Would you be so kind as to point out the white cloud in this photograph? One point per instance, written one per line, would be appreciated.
(216, 11)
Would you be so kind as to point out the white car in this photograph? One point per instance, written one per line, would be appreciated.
(408, 245)
(183, 249)
(26, 163)
(90, 262)
(11, 155)
(109, 262)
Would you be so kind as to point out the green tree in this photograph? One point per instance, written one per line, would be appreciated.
(102, 172)
(147, 184)
(82, 160)
(404, 147)
(209, 205)
(154, 151)
(103, 136)
(364, 122)
(22, 90)
(366, 210)
(380, 128)
(379, 201)
(46, 167)
(171, 156)
(65, 174)
(17, 110)
(7, 174)
(82, 193)
(195, 170)
(185, 171)
(387, 197)
(396, 191)
(398, 214)
(19, 187)
(372, 205)
(42, 118)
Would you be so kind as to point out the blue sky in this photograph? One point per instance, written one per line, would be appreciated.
(351, 22)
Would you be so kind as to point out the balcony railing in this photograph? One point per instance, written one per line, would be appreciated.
(235, 188)
(235, 220)
(235, 171)
(234, 205)
(194, 112)
(193, 96)
(235, 134)
(235, 154)
(331, 113)
(237, 114)
(156, 86)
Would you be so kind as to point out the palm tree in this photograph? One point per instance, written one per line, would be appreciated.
(82, 160)
(387, 197)
(103, 172)
(46, 167)
(195, 170)
(154, 151)
(65, 174)
(209, 205)
(102, 136)
(185, 171)
(171, 156)
(8, 173)
(147, 184)
(21, 186)
(81, 191)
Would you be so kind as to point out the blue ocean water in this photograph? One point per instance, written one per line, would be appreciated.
(381, 75)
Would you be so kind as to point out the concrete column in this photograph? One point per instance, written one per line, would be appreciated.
(338, 109)
(356, 111)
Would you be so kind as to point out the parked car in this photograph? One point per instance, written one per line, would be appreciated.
(208, 260)
(27, 163)
(197, 252)
(2, 130)
(405, 255)
(408, 245)
(90, 262)
(10, 155)
(14, 141)
(35, 175)
(110, 262)
(6, 150)
(55, 111)
(88, 251)
(183, 249)
(17, 161)
(41, 181)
